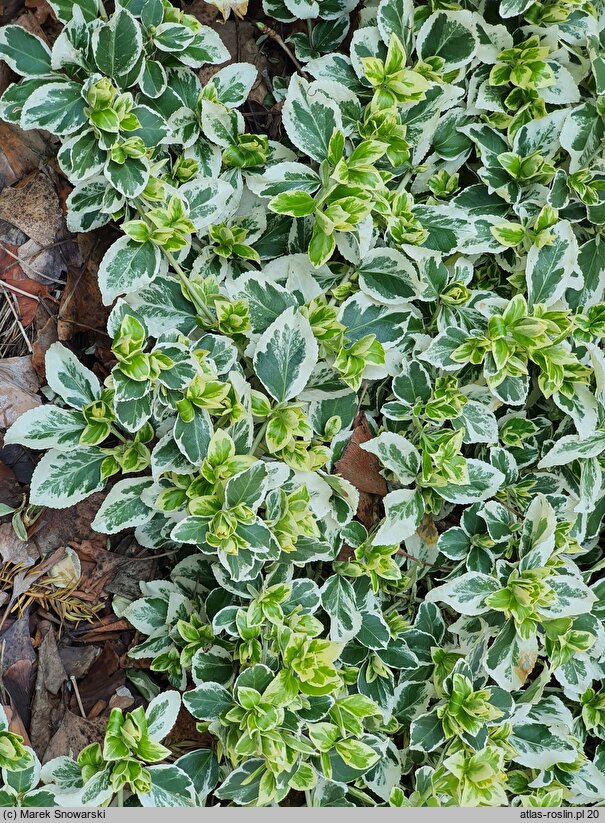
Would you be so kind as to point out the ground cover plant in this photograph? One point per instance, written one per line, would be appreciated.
(356, 395)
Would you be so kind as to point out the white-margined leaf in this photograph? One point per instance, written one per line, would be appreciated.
(483, 482)
(388, 277)
(450, 35)
(466, 594)
(64, 9)
(397, 454)
(25, 53)
(285, 355)
(117, 44)
(403, 510)
(207, 200)
(126, 267)
(62, 479)
(573, 447)
(47, 427)
(56, 107)
(193, 438)
(170, 788)
(550, 270)
(130, 177)
(582, 135)
(69, 378)
(234, 83)
(81, 158)
(161, 714)
(310, 118)
(85, 206)
(537, 747)
(283, 177)
(338, 601)
(207, 701)
(123, 507)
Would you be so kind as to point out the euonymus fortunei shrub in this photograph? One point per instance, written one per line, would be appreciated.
(420, 260)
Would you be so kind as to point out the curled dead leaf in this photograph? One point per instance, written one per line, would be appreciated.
(358, 466)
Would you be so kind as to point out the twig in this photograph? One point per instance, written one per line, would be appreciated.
(84, 326)
(29, 294)
(24, 264)
(275, 36)
(409, 556)
(18, 320)
(77, 693)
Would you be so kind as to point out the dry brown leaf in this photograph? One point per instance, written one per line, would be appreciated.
(81, 307)
(10, 489)
(18, 662)
(47, 708)
(20, 153)
(104, 678)
(13, 550)
(73, 735)
(50, 661)
(41, 10)
(427, 530)
(12, 273)
(358, 466)
(29, 22)
(33, 206)
(46, 335)
(53, 529)
(18, 387)
(77, 660)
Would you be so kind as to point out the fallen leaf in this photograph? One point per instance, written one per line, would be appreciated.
(33, 206)
(81, 308)
(18, 459)
(50, 661)
(10, 489)
(368, 509)
(54, 529)
(18, 665)
(104, 678)
(77, 660)
(18, 387)
(105, 632)
(29, 22)
(67, 571)
(98, 709)
(203, 11)
(47, 707)
(43, 251)
(13, 550)
(41, 10)
(185, 729)
(73, 735)
(20, 153)
(46, 335)
(17, 282)
(122, 699)
(358, 466)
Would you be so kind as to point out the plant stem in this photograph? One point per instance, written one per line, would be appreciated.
(275, 36)
(117, 434)
(259, 437)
